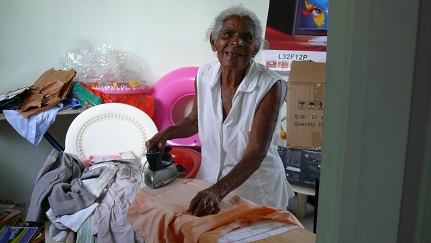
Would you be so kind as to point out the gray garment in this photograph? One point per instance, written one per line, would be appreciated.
(59, 167)
(70, 201)
(109, 219)
(69, 198)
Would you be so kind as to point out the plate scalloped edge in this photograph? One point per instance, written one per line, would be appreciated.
(140, 128)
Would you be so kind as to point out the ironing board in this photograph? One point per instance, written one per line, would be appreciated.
(112, 128)
(109, 129)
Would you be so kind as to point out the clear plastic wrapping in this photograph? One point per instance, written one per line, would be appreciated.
(101, 63)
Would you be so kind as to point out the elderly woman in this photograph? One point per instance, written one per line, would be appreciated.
(236, 111)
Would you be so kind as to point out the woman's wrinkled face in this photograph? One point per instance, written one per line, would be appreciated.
(235, 43)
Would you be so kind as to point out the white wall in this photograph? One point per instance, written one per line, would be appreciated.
(164, 34)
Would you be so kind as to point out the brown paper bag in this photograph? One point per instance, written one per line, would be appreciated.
(49, 89)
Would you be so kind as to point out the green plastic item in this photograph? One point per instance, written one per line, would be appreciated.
(85, 97)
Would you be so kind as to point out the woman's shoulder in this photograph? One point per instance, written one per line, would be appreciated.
(209, 66)
(208, 71)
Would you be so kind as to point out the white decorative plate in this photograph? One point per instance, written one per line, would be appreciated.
(109, 129)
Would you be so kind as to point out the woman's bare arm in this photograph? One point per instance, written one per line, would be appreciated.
(264, 123)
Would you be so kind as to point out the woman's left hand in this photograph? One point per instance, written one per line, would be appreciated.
(206, 202)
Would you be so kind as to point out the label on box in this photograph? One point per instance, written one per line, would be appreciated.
(281, 60)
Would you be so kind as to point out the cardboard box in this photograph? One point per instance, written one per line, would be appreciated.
(305, 105)
(302, 167)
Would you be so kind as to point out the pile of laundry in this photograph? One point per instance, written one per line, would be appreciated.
(88, 203)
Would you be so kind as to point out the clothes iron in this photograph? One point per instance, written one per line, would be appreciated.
(160, 169)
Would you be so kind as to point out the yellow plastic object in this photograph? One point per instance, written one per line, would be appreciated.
(282, 133)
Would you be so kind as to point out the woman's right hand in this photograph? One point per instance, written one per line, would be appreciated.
(159, 140)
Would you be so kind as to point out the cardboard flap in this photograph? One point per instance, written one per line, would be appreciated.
(307, 71)
(48, 90)
(305, 105)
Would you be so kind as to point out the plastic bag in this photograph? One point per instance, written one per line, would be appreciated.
(101, 63)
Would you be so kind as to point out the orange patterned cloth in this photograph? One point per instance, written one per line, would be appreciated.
(160, 215)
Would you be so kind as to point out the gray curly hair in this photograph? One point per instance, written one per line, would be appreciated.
(239, 10)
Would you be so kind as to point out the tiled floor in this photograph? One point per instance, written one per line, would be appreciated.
(308, 220)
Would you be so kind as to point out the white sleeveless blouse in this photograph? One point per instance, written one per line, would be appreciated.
(224, 143)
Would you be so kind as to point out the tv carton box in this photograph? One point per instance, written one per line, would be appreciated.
(305, 105)
(302, 167)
